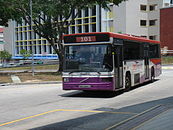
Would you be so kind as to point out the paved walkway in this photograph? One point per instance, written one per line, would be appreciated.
(169, 67)
(21, 71)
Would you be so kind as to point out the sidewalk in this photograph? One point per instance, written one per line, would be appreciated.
(28, 83)
(22, 71)
(167, 67)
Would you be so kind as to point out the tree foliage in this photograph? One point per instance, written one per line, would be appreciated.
(26, 54)
(5, 55)
(59, 15)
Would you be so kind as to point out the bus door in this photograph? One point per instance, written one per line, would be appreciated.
(118, 63)
(146, 61)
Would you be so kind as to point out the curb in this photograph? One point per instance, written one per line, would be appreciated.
(25, 83)
(167, 68)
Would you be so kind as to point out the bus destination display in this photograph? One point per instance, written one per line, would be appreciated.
(86, 38)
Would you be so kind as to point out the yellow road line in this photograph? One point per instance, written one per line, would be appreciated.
(95, 111)
(62, 110)
(28, 117)
(132, 117)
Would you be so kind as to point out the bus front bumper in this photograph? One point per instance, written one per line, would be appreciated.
(89, 86)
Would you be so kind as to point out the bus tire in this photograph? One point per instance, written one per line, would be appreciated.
(152, 75)
(127, 82)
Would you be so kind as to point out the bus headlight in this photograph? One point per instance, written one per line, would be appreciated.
(66, 79)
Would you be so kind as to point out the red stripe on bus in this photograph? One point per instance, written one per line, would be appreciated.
(155, 61)
(117, 35)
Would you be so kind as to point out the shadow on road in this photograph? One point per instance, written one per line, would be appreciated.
(92, 94)
(111, 117)
(100, 94)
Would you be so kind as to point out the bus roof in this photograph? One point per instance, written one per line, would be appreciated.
(117, 35)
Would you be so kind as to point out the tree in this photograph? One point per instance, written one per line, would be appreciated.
(5, 55)
(59, 15)
(26, 54)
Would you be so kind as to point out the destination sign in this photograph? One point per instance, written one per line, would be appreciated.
(86, 38)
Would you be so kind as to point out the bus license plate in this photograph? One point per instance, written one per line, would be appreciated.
(84, 86)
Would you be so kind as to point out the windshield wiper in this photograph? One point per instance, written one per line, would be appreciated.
(98, 72)
(74, 71)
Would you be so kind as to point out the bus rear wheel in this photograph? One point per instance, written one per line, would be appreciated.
(127, 82)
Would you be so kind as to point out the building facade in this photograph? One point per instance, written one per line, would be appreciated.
(89, 20)
(138, 17)
(1, 38)
(134, 17)
(166, 28)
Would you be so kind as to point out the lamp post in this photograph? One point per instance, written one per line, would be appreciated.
(30, 3)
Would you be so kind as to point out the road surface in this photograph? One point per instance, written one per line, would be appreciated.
(47, 106)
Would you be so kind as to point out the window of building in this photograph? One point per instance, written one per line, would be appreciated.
(86, 20)
(143, 22)
(79, 21)
(143, 7)
(79, 29)
(93, 19)
(39, 49)
(86, 12)
(153, 37)
(93, 11)
(73, 29)
(79, 13)
(152, 22)
(17, 29)
(17, 50)
(35, 50)
(21, 36)
(50, 49)
(93, 27)
(153, 7)
(25, 35)
(21, 48)
(86, 27)
(73, 14)
(17, 36)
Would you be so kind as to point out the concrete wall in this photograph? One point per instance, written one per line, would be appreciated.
(1, 39)
(9, 38)
(134, 15)
(127, 18)
(155, 30)
(119, 18)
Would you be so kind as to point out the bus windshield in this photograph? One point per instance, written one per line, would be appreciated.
(88, 58)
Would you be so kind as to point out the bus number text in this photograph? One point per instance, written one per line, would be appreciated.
(86, 39)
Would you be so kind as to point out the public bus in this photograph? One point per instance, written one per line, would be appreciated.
(105, 61)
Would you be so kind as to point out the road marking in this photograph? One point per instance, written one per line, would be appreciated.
(28, 117)
(121, 122)
(63, 110)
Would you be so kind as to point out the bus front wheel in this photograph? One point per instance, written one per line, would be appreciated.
(152, 75)
(127, 82)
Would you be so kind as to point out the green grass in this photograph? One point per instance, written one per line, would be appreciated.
(37, 67)
(167, 60)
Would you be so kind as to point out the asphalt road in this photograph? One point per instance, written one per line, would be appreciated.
(47, 106)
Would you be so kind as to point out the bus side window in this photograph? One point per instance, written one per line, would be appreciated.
(154, 51)
(132, 50)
